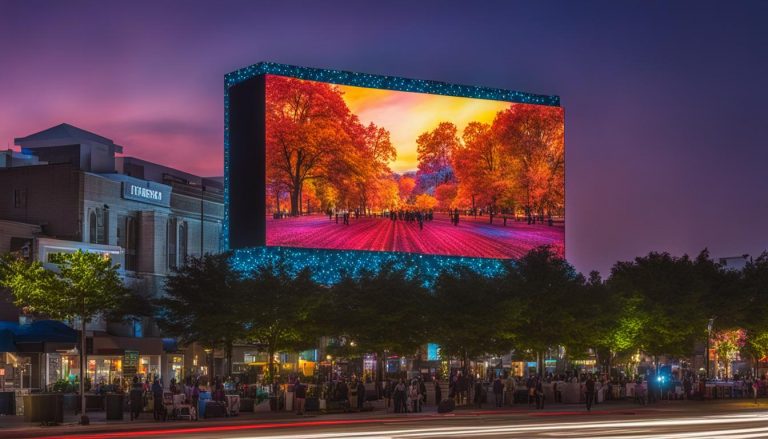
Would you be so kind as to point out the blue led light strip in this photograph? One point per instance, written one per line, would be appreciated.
(327, 264)
(387, 83)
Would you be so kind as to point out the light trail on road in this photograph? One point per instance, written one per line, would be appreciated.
(637, 429)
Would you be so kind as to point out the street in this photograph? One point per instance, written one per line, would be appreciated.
(729, 420)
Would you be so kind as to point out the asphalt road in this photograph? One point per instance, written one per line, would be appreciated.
(740, 423)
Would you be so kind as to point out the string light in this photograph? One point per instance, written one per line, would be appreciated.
(327, 265)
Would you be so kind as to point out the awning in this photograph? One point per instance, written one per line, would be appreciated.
(32, 337)
(46, 331)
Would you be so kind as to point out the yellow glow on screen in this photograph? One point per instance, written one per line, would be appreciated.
(407, 115)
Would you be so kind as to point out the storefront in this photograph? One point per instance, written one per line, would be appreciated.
(114, 361)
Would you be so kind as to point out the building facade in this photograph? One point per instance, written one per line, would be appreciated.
(68, 190)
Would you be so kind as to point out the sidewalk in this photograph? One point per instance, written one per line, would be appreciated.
(15, 427)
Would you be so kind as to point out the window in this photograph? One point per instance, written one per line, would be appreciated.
(127, 239)
(98, 220)
(171, 243)
(19, 198)
(183, 241)
(92, 227)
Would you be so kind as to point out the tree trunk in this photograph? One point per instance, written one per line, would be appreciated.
(229, 358)
(277, 201)
(271, 363)
(295, 201)
(382, 363)
(539, 361)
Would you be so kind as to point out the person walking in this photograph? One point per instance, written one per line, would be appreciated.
(589, 392)
(498, 391)
(301, 395)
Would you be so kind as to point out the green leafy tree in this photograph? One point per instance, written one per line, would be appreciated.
(201, 304)
(83, 286)
(753, 284)
(381, 312)
(280, 310)
(671, 297)
(547, 286)
(471, 315)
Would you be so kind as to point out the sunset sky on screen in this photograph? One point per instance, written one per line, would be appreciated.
(408, 115)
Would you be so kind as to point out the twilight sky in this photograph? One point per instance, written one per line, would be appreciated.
(665, 102)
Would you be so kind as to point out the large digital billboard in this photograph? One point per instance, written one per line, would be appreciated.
(359, 168)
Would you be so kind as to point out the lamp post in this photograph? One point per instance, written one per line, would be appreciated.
(209, 360)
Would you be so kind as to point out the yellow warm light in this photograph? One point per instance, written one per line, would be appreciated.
(407, 115)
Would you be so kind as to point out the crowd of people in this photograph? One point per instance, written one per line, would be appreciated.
(151, 393)
(402, 395)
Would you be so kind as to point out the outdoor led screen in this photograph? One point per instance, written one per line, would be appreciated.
(359, 168)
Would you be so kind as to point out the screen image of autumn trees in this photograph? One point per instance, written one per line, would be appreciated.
(503, 171)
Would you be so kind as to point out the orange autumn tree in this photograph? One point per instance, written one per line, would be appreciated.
(532, 137)
(406, 186)
(435, 149)
(313, 138)
(483, 169)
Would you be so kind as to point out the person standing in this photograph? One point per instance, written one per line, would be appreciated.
(755, 388)
(530, 384)
(438, 392)
(539, 393)
(510, 386)
(360, 394)
(589, 392)
(136, 398)
(301, 394)
(479, 394)
(498, 391)
(423, 391)
(343, 392)
(157, 400)
(414, 397)
(195, 398)
(399, 396)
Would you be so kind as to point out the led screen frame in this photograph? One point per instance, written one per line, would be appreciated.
(244, 222)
